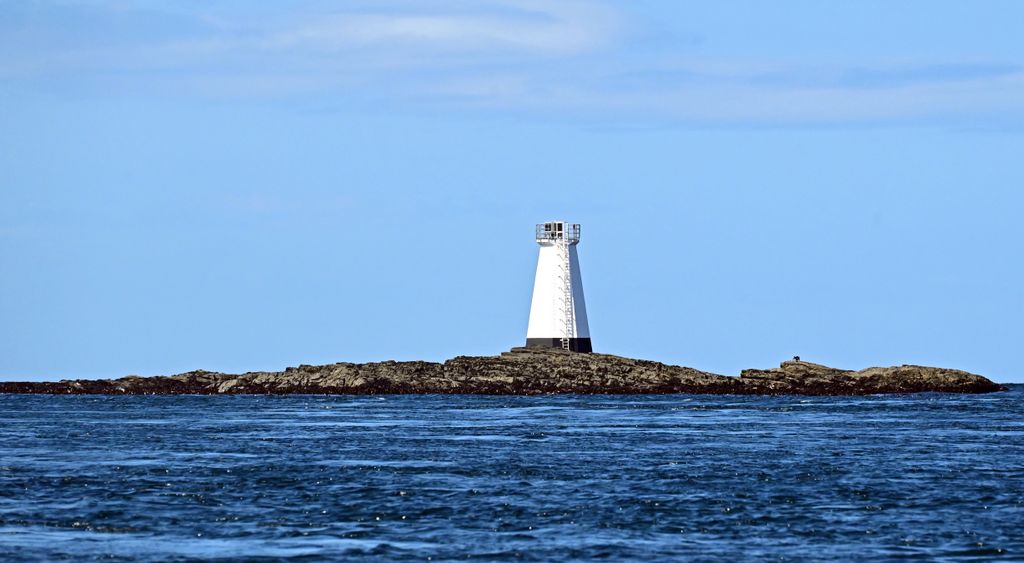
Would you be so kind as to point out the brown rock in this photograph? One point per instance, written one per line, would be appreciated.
(523, 371)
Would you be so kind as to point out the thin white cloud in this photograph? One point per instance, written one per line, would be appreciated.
(732, 93)
(388, 32)
(556, 27)
(563, 58)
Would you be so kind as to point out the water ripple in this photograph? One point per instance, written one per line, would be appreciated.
(535, 478)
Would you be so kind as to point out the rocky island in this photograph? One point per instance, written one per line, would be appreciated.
(529, 371)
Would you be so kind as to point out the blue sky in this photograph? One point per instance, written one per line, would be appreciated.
(239, 186)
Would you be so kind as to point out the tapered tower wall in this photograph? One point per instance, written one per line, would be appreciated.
(548, 325)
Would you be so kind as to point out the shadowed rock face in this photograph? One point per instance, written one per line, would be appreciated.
(525, 371)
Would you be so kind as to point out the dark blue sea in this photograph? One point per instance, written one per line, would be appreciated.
(534, 478)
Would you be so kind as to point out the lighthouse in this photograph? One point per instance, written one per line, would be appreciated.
(558, 314)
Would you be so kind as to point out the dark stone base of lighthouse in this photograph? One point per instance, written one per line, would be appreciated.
(575, 344)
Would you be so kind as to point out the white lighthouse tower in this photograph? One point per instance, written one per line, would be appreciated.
(558, 314)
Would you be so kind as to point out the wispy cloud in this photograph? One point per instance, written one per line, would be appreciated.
(534, 27)
(893, 75)
(308, 49)
(557, 57)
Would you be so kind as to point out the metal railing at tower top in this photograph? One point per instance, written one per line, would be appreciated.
(554, 231)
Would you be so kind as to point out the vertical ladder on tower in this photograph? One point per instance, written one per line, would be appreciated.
(568, 310)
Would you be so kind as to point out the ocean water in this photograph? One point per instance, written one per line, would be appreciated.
(494, 478)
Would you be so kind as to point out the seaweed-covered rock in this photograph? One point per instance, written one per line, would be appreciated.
(528, 371)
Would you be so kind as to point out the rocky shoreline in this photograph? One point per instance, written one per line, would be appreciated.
(528, 371)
